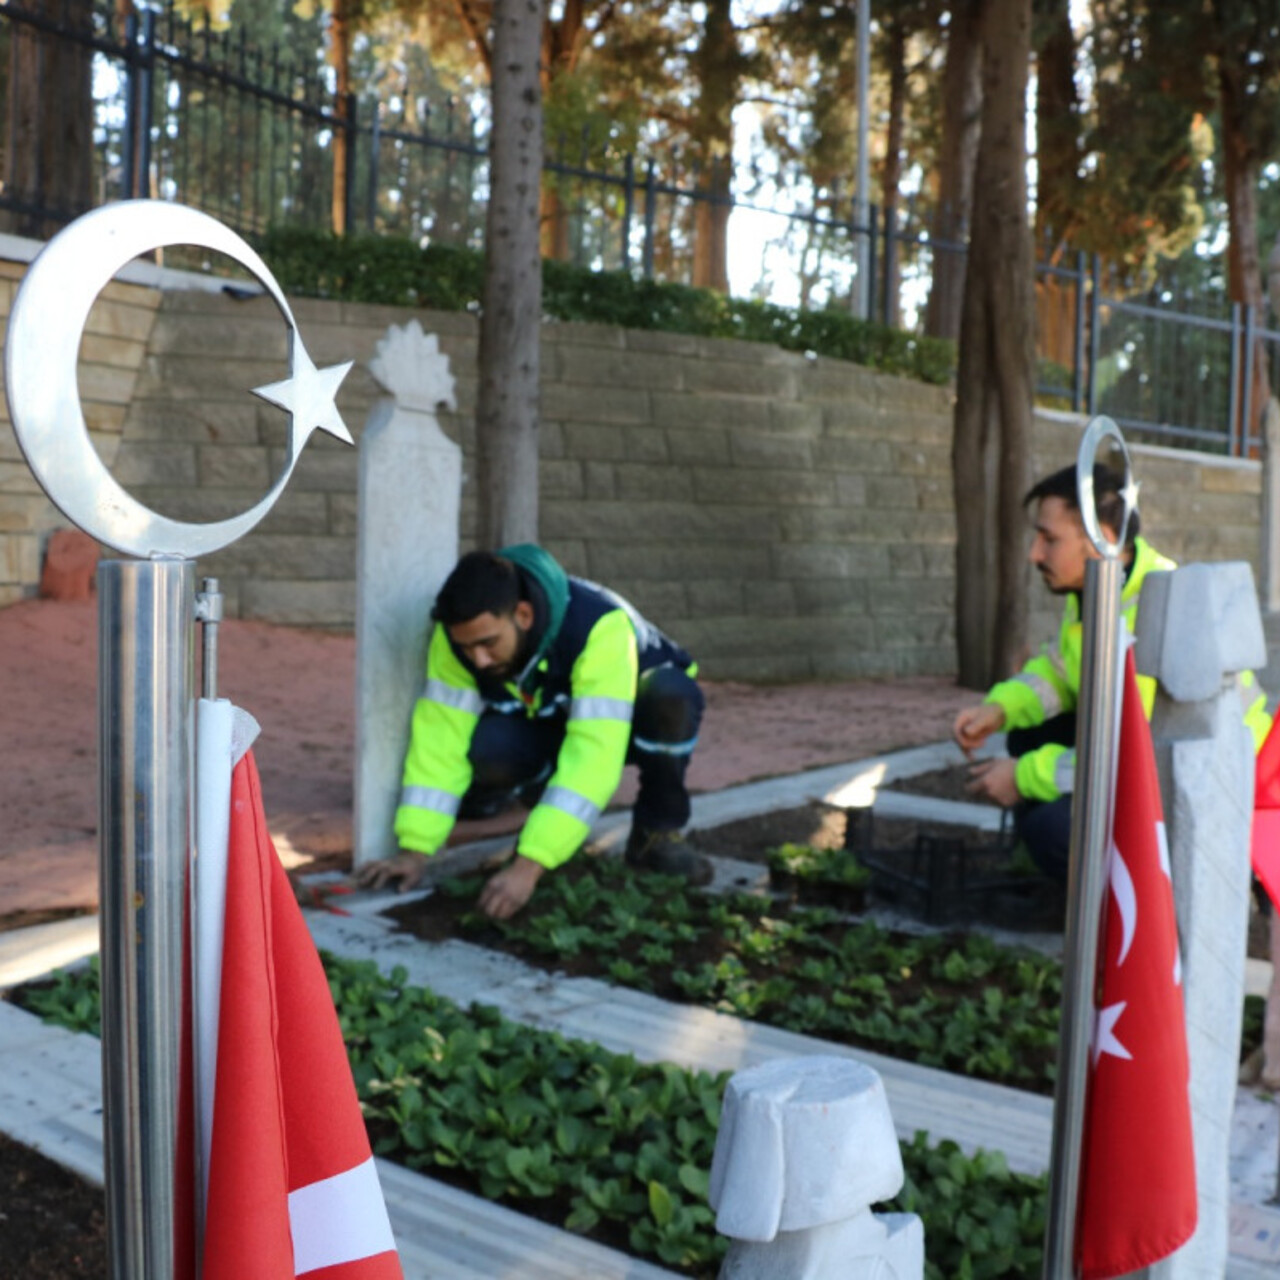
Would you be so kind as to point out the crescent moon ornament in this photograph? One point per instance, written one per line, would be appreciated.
(1099, 429)
(45, 327)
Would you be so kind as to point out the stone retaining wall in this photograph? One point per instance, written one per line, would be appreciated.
(783, 516)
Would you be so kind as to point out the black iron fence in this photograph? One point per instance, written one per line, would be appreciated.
(99, 108)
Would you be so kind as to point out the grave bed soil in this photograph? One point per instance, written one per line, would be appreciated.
(52, 1223)
(449, 914)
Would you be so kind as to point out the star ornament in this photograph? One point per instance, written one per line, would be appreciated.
(1105, 1039)
(308, 396)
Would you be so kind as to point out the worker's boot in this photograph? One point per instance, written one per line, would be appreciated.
(669, 854)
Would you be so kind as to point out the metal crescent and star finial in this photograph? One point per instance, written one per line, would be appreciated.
(45, 329)
(1099, 429)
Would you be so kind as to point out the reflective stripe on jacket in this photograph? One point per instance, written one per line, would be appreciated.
(588, 647)
(1050, 684)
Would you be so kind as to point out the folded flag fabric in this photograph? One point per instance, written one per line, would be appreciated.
(1138, 1184)
(292, 1186)
(1266, 815)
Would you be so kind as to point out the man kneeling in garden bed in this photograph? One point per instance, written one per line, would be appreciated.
(540, 687)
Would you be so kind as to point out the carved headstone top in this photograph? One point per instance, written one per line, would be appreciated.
(410, 365)
(1197, 625)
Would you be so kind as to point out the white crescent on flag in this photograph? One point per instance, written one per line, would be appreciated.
(1126, 900)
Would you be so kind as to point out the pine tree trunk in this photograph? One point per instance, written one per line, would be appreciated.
(49, 151)
(961, 121)
(340, 57)
(1240, 169)
(718, 63)
(507, 403)
(990, 447)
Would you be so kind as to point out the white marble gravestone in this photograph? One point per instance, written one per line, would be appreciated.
(1198, 627)
(805, 1147)
(407, 542)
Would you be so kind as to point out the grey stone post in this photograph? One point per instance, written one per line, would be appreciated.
(1198, 627)
(410, 489)
(806, 1146)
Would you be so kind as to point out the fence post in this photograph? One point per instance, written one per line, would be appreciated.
(628, 207)
(650, 217)
(873, 218)
(1077, 349)
(375, 155)
(1095, 330)
(890, 258)
(349, 179)
(145, 77)
(1246, 399)
(1233, 400)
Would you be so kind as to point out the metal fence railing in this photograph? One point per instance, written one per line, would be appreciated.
(98, 109)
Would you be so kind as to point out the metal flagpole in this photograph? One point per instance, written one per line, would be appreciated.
(1096, 734)
(146, 638)
(145, 669)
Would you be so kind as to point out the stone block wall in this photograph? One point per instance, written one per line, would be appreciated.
(111, 353)
(785, 517)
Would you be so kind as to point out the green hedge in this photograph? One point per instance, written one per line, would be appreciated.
(386, 269)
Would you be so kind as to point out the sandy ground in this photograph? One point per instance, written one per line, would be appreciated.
(299, 684)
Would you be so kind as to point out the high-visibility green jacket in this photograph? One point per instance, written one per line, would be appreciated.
(587, 648)
(1049, 684)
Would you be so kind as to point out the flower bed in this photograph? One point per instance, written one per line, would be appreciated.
(595, 1141)
(960, 1003)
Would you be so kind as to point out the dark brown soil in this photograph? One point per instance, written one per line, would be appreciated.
(52, 1223)
(951, 783)
(820, 825)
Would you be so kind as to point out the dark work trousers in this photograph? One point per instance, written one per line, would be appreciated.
(513, 756)
(1044, 826)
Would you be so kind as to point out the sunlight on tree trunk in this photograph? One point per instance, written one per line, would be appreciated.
(990, 455)
(1240, 168)
(961, 118)
(718, 62)
(507, 403)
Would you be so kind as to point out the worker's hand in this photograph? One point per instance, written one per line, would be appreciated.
(974, 725)
(505, 893)
(995, 780)
(406, 867)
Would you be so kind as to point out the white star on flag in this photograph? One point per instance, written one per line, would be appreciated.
(308, 396)
(1104, 1035)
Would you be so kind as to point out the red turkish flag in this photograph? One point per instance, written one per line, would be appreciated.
(293, 1189)
(1138, 1182)
(1266, 815)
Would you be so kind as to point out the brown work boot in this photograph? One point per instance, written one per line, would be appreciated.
(669, 854)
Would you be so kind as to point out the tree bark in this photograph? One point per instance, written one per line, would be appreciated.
(340, 59)
(507, 403)
(961, 124)
(49, 153)
(1240, 170)
(1057, 133)
(718, 62)
(990, 455)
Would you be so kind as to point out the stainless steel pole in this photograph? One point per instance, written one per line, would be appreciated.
(1086, 882)
(145, 680)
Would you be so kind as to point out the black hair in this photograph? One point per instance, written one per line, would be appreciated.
(1106, 497)
(481, 582)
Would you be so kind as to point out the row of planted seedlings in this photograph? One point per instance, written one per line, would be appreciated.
(598, 1143)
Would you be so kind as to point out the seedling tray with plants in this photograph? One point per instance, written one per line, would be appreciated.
(817, 876)
(957, 878)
